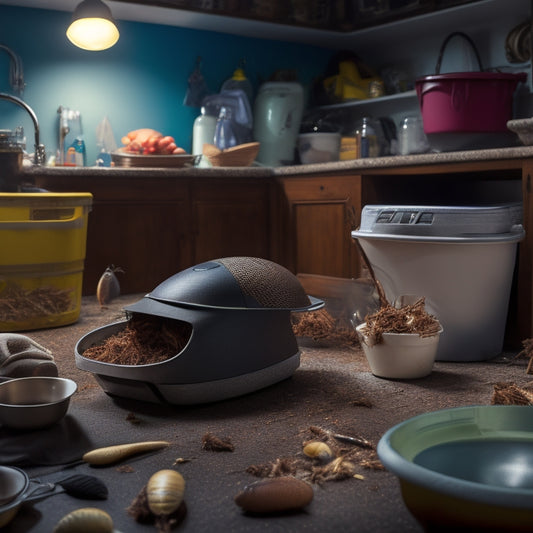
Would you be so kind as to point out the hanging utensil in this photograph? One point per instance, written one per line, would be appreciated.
(197, 88)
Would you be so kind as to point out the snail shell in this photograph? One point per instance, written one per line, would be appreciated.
(319, 450)
(274, 495)
(86, 520)
(108, 285)
(164, 492)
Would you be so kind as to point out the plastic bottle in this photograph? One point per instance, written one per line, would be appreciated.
(203, 131)
(239, 81)
(224, 132)
(367, 139)
(76, 153)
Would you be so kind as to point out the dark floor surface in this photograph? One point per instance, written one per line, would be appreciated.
(332, 389)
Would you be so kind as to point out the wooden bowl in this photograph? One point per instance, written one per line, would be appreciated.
(242, 155)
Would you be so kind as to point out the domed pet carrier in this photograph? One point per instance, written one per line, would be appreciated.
(234, 316)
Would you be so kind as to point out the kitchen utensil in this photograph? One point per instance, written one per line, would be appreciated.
(242, 155)
(34, 402)
(319, 147)
(278, 113)
(197, 88)
(242, 340)
(465, 468)
(12, 483)
(123, 159)
(466, 110)
(18, 488)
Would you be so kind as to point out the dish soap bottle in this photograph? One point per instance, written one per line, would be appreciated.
(239, 81)
(224, 131)
(76, 153)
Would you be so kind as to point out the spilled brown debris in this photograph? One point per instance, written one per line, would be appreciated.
(527, 351)
(321, 325)
(511, 394)
(212, 443)
(133, 419)
(142, 514)
(351, 455)
(125, 469)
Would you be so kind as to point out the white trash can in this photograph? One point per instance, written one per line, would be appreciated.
(461, 259)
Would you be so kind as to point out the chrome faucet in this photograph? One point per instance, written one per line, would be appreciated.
(39, 155)
(16, 73)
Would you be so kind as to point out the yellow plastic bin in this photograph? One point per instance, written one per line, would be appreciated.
(43, 239)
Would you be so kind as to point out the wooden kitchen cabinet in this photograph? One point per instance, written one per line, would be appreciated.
(155, 227)
(320, 212)
(141, 226)
(230, 218)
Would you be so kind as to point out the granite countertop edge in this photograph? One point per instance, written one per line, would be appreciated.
(357, 165)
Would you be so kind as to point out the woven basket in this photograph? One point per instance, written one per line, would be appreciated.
(242, 155)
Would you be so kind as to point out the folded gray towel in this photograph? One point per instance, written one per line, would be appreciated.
(21, 356)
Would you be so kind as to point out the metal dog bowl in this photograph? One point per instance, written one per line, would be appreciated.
(34, 402)
(241, 334)
(465, 469)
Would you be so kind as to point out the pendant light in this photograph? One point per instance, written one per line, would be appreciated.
(92, 27)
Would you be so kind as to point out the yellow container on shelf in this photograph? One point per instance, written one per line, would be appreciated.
(43, 239)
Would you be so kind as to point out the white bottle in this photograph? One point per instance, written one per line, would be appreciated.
(203, 131)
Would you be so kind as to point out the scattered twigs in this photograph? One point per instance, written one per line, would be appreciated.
(213, 443)
(511, 394)
(527, 351)
(381, 293)
(347, 456)
(320, 325)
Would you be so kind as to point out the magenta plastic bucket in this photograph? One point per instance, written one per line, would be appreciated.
(467, 101)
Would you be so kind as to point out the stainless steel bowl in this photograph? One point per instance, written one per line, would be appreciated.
(34, 402)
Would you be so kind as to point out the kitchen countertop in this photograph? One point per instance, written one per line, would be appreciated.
(357, 165)
(333, 389)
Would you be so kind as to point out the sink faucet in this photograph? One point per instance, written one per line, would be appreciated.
(16, 73)
(39, 154)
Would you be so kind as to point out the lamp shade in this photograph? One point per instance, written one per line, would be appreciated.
(92, 26)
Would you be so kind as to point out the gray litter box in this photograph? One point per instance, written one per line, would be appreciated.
(241, 340)
(461, 259)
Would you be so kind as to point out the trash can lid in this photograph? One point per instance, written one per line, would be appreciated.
(458, 223)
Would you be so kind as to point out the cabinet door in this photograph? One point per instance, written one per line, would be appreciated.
(322, 211)
(142, 227)
(231, 218)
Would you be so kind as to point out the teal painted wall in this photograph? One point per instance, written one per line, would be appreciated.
(140, 82)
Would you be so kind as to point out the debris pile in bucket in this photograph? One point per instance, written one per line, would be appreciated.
(17, 303)
(411, 318)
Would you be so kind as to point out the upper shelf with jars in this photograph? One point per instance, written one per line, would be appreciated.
(340, 16)
(334, 24)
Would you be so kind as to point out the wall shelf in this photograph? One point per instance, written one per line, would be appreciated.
(384, 103)
(478, 14)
